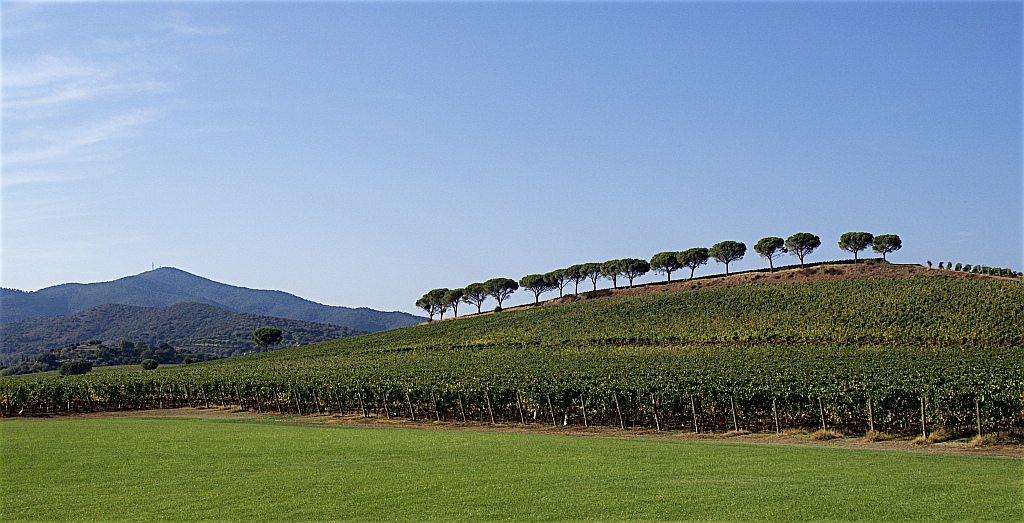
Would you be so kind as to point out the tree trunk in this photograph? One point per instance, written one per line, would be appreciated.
(433, 399)
(412, 413)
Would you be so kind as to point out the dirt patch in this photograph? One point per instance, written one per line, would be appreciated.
(992, 447)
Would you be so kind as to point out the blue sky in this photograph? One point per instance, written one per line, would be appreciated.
(362, 154)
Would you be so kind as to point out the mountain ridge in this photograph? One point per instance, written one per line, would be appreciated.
(168, 286)
(188, 325)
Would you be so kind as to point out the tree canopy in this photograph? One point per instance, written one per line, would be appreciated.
(666, 263)
(558, 279)
(801, 244)
(500, 289)
(855, 242)
(727, 251)
(769, 248)
(537, 284)
(592, 271)
(266, 337)
(452, 298)
(576, 274)
(75, 367)
(476, 294)
(433, 303)
(886, 243)
(633, 268)
(611, 269)
(694, 258)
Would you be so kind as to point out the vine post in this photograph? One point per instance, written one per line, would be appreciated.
(619, 411)
(775, 414)
(924, 421)
(732, 406)
(871, 417)
(654, 408)
(693, 408)
(977, 415)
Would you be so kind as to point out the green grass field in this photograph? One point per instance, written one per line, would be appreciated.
(190, 469)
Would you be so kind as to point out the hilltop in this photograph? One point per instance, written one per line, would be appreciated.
(191, 326)
(168, 286)
(903, 304)
(816, 272)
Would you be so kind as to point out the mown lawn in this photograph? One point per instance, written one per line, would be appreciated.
(190, 469)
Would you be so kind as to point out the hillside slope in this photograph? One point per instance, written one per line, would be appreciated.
(916, 309)
(168, 286)
(197, 326)
(849, 353)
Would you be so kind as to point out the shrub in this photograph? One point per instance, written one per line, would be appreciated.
(75, 367)
(874, 435)
(958, 267)
(149, 364)
(930, 264)
(967, 267)
(826, 434)
(188, 360)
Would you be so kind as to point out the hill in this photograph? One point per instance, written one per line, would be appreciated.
(168, 286)
(849, 353)
(191, 326)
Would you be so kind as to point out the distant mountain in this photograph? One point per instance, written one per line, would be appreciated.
(194, 326)
(168, 286)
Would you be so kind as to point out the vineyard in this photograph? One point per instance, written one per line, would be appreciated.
(903, 356)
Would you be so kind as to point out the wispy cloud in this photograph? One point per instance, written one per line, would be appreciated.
(180, 23)
(74, 145)
(33, 88)
(64, 108)
(44, 71)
